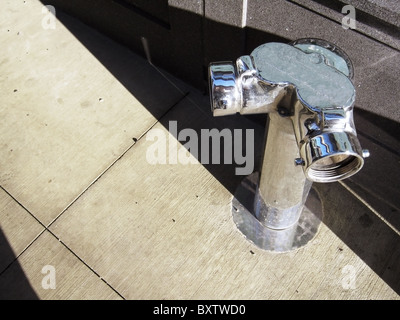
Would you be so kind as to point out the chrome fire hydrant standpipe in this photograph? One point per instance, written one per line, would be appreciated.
(306, 89)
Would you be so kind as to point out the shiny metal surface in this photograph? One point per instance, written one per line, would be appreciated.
(283, 187)
(306, 89)
(226, 98)
(331, 156)
(333, 55)
(283, 240)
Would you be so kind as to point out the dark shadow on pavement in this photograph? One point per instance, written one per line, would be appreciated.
(13, 282)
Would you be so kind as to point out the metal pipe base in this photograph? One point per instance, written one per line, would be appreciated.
(274, 240)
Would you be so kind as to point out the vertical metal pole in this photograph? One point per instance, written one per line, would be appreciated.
(283, 188)
(276, 208)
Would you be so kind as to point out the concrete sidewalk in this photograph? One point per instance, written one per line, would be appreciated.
(84, 215)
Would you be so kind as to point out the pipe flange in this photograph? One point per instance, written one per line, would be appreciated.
(274, 240)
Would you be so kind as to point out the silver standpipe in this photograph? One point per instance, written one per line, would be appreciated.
(306, 88)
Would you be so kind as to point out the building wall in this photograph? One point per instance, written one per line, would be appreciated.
(184, 36)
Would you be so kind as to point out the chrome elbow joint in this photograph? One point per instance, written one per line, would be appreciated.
(239, 88)
(308, 82)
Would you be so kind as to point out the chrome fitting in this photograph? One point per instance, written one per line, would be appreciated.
(310, 84)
